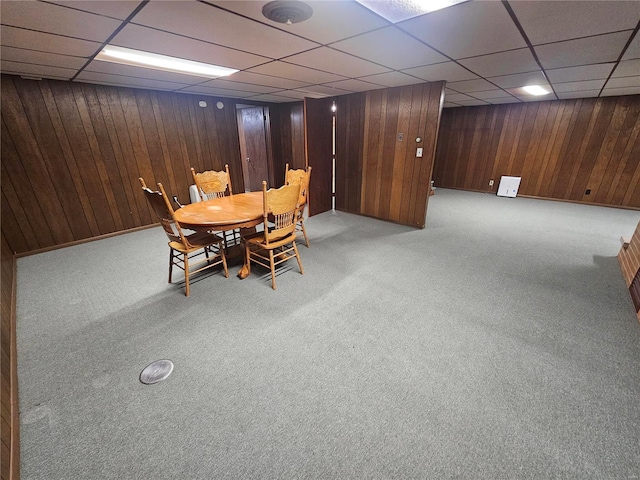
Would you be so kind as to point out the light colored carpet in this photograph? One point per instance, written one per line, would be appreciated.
(499, 342)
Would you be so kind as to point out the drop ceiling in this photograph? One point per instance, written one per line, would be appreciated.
(484, 50)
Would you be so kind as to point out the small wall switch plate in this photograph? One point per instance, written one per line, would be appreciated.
(491, 183)
(419, 152)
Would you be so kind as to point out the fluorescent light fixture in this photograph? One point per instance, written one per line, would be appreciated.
(398, 10)
(137, 58)
(535, 90)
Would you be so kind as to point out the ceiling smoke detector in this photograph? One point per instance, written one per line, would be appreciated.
(287, 11)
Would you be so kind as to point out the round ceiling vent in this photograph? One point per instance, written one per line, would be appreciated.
(287, 11)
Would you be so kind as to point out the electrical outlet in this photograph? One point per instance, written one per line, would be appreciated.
(491, 183)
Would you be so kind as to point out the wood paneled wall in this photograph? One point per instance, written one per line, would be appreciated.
(561, 149)
(10, 456)
(377, 172)
(72, 154)
(287, 138)
(629, 259)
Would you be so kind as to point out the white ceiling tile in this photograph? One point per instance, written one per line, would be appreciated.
(46, 42)
(288, 96)
(449, 71)
(109, 68)
(119, 9)
(296, 72)
(623, 82)
(336, 62)
(267, 80)
(503, 63)
(628, 68)
(245, 87)
(213, 25)
(325, 91)
(221, 92)
(583, 51)
(150, 40)
(613, 92)
(450, 105)
(96, 77)
(331, 20)
(468, 86)
(42, 58)
(472, 102)
(44, 71)
(500, 101)
(49, 18)
(578, 94)
(546, 22)
(390, 47)
(491, 94)
(392, 79)
(353, 85)
(520, 80)
(467, 29)
(633, 51)
(577, 86)
(456, 97)
(582, 72)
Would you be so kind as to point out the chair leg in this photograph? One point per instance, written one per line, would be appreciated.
(304, 232)
(295, 249)
(273, 270)
(186, 274)
(224, 260)
(170, 263)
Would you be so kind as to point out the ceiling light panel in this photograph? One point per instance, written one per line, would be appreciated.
(109, 68)
(398, 10)
(137, 58)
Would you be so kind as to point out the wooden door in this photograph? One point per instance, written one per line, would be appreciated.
(253, 147)
(318, 137)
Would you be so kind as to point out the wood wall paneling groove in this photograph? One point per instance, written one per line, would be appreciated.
(561, 149)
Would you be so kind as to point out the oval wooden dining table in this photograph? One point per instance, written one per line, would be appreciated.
(242, 210)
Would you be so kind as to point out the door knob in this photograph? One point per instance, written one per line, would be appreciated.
(247, 159)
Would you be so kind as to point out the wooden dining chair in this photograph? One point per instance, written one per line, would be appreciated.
(277, 242)
(212, 183)
(300, 177)
(185, 251)
(215, 184)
